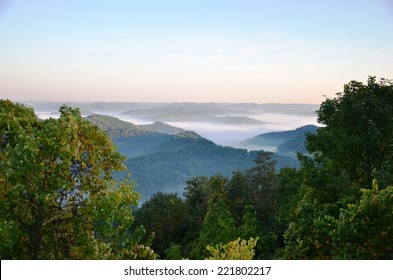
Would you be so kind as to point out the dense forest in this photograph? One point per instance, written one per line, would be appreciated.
(60, 200)
(163, 158)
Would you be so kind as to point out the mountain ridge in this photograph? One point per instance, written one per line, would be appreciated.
(118, 128)
(164, 162)
(279, 137)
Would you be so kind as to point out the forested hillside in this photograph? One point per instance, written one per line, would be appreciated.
(173, 162)
(284, 142)
(162, 162)
(59, 198)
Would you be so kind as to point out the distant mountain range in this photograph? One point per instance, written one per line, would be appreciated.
(220, 113)
(227, 124)
(160, 159)
(191, 112)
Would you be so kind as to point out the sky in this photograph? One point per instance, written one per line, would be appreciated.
(191, 51)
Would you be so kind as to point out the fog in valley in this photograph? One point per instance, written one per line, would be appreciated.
(223, 123)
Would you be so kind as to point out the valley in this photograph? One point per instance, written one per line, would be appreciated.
(166, 145)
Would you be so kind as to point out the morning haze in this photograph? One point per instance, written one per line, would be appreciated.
(224, 123)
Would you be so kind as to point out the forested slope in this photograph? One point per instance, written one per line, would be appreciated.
(162, 162)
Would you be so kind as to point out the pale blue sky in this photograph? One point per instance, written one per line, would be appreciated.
(199, 51)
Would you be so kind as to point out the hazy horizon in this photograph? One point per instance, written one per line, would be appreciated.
(191, 51)
(227, 124)
(65, 101)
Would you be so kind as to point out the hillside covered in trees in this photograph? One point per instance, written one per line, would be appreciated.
(59, 199)
(286, 143)
(163, 158)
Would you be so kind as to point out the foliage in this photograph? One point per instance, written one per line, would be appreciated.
(239, 195)
(263, 188)
(196, 201)
(308, 235)
(289, 181)
(364, 229)
(250, 227)
(218, 227)
(352, 148)
(163, 216)
(234, 250)
(174, 252)
(355, 140)
(58, 199)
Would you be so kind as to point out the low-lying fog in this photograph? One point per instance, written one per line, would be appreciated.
(227, 132)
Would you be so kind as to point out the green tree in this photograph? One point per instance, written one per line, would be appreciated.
(308, 235)
(58, 198)
(250, 226)
(364, 229)
(218, 227)
(289, 181)
(196, 201)
(200, 193)
(174, 252)
(234, 250)
(263, 187)
(239, 195)
(354, 142)
(352, 147)
(163, 215)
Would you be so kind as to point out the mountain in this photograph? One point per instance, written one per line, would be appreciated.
(224, 123)
(293, 146)
(122, 129)
(193, 112)
(278, 139)
(164, 162)
(162, 128)
(117, 128)
(134, 140)
(186, 155)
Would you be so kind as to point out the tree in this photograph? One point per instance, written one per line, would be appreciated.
(250, 226)
(196, 201)
(354, 142)
(200, 193)
(262, 176)
(308, 235)
(364, 229)
(58, 198)
(352, 148)
(234, 250)
(218, 227)
(263, 186)
(289, 182)
(174, 252)
(163, 215)
(239, 195)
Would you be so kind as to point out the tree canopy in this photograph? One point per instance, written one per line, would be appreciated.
(58, 199)
(351, 150)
